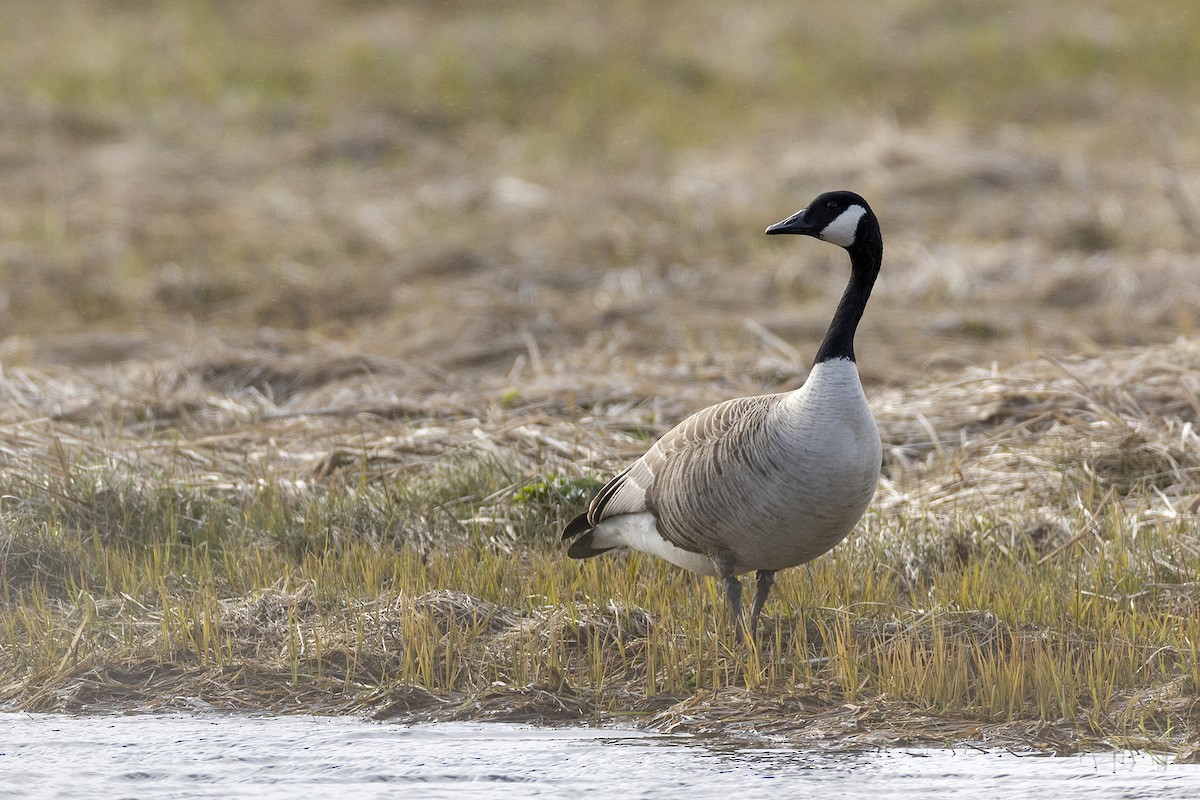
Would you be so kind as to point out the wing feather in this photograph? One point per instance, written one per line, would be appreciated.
(692, 446)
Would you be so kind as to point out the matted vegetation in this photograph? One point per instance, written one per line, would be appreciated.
(1027, 574)
(320, 319)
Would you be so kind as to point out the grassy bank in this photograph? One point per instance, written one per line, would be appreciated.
(317, 320)
(1027, 574)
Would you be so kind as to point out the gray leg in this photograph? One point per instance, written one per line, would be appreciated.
(733, 590)
(766, 579)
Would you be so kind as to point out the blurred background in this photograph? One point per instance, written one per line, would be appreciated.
(484, 187)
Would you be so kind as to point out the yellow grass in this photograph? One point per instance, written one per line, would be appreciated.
(1031, 558)
(319, 320)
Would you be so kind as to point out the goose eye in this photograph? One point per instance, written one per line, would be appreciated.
(831, 204)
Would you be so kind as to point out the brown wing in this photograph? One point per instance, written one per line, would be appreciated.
(699, 495)
(691, 447)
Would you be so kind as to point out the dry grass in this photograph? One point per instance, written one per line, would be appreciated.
(318, 322)
(553, 176)
(1028, 573)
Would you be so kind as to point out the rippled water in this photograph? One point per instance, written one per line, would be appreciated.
(268, 757)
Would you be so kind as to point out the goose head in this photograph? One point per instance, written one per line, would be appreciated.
(841, 218)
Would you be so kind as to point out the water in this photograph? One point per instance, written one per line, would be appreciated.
(291, 757)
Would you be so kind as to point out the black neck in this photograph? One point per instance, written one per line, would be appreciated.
(865, 258)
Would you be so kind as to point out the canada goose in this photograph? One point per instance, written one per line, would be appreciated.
(760, 483)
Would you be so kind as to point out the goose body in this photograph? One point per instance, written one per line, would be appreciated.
(759, 483)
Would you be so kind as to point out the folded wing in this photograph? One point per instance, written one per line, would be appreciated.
(666, 478)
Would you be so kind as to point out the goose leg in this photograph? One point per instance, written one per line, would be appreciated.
(762, 587)
(733, 591)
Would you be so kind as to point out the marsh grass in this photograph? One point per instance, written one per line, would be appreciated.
(309, 166)
(1027, 574)
(320, 319)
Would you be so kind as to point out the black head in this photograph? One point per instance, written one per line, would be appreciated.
(841, 218)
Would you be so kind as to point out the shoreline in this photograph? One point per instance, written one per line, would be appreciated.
(1025, 570)
(809, 716)
(781, 718)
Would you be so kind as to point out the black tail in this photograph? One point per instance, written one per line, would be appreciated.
(577, 526)
(582, 547)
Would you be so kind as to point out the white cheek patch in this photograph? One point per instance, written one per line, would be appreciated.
(843, 229)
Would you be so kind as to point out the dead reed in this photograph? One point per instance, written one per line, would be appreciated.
(280, 430)
(189, 536)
